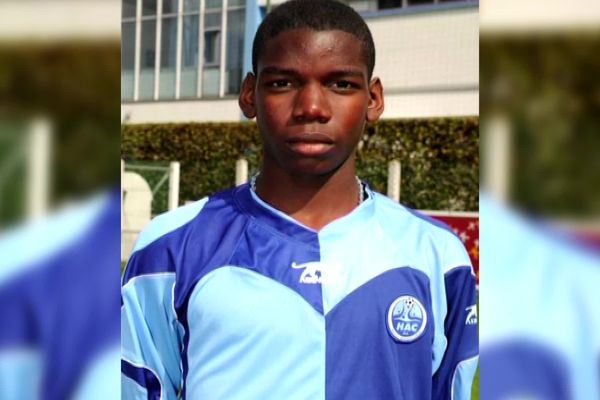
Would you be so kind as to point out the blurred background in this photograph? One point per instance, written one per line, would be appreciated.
(536, 88)
(59, 199)
(59, 118)
(539, 209)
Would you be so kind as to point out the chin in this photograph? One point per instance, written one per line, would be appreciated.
(293, 164)
(311, 167)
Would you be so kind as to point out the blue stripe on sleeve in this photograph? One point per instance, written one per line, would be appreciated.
(150, 255)
(460, 329)
(144, 377)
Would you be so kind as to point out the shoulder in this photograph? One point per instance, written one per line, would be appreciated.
(187, 237)
(394, 214)
(50, 236)
(168, 222)
(171, 222)
(421, 234)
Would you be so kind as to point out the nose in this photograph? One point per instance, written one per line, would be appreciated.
(311, 104)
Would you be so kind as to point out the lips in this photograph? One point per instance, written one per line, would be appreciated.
(315, 137)
(310, 144)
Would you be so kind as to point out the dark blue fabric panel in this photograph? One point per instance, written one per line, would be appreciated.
(153, 258)
(272, 243)
(461, 334)
(524, 369)
(262, 250)
(144, 377)
(363, 361)
(19, 328)
(68, 306)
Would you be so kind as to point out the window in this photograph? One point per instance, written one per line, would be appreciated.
(212, 48)
(214, 3)
(147, 59)
(169, 7)
(211, 74)
(189, 62)
(191, 5)
(235, 50)
(189, 51)
(127, 59)
(375, 5)
(128, 8)
(148, 7)
(168, 58)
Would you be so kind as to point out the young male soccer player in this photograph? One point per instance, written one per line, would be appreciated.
(303, 284)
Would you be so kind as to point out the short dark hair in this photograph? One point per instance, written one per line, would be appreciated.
(318, 15)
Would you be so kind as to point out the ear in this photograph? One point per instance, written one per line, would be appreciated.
(376, 106)
(246, 99)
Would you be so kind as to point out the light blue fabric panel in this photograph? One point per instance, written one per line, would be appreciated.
(463, 379)
(130, 390)
(102, 378)
(19, 374)
(381, 235)
(540, 287)
(168, 222)
(232, 314)
(151, 336)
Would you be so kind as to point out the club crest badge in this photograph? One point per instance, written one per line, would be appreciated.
(406, 319)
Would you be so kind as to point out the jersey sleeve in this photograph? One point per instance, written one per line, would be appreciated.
(454, 377)
(20, 355)
(151, 334)
(151, 337)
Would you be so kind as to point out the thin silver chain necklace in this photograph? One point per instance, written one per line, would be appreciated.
(361, 194)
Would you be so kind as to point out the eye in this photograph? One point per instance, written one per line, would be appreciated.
(344, 85)
(280, 83)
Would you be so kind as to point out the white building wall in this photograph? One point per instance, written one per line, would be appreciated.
(538, 16)
(220, 110)
(428, 62)
(59, 20)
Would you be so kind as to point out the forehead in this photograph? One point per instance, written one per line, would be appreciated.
(300, 47)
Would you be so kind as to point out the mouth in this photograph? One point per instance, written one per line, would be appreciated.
(310, 144)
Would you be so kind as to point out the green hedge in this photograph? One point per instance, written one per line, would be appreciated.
(548, 87)
(440, 157)
(75, 86)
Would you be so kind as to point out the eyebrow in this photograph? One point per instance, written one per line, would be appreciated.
(278, 71)
(347, 72)
(274, 70)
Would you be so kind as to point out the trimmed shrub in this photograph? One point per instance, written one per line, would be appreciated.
(439, 157)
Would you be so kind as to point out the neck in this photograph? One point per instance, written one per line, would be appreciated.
(314, 201)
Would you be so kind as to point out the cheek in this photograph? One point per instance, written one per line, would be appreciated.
(273, 113)
(352, 118)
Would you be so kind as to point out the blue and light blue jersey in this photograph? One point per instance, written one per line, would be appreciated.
(59, 303)
(228, 298)
(540, 289)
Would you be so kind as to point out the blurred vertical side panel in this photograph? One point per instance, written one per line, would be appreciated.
(540, 214)
(59, 199)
